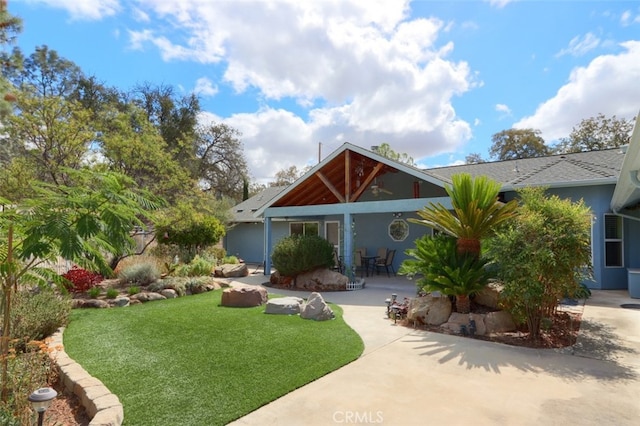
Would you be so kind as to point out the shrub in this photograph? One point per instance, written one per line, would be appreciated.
(112, 293)
(214, 252)
(296, 254)
(197, 284)
(139, 273)
(36, 315)
(543, 255)
(134, 289)
(175, 283)
(197, 267)
(81, 280)
(29, 368)
(445, 270)
(94, 292)
(233, 260)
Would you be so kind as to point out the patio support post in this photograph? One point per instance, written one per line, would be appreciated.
(267, 246)
(348, 241)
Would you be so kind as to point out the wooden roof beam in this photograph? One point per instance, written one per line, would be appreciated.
(330, 186)
(367, 181)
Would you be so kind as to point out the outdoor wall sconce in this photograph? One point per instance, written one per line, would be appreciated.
(41, 400)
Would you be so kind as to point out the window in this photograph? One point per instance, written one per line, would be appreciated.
(304, 228)
(613, 241)
(398, 230)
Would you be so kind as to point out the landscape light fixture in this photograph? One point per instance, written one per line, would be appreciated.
(41, 400)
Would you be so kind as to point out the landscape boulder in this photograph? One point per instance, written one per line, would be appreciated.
(316, 309)
(244, 296)
(499, 322)
(284, 306)
(119, 302)
(457, 320)
(94, 303)
(230, 270)
(489, 295)
(321, 279)
(429, 309)
(147, 296)
(169, 293)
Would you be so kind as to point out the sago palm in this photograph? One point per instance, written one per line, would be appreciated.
(446, 271)
(476, 212)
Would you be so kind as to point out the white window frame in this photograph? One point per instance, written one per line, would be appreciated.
(619, 240)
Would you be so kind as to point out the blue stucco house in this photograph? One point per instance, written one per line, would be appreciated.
(358, 198)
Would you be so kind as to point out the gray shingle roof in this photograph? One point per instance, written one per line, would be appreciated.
(565, 170)
(244, 212)
(556, 170)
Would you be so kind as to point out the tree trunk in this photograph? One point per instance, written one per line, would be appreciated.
(463, 304)
(470, 246)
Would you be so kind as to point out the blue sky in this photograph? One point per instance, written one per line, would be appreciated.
(434, 79)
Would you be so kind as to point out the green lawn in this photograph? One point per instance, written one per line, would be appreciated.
(191, 361)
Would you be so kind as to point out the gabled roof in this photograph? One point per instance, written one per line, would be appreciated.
(334, 180)
(342, 177)
(245, 211)
(565, 170)
(627, 192)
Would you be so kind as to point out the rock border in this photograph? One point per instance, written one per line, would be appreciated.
(103, 407)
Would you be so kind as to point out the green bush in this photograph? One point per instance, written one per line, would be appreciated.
(296, 254)
(134, 289)
(216, 253)
(199, 266)
(543, 255)
(233, 260)
(29, 368)
(112, 293)
(36, 315)
(94, 292)
(139, 273)
(443, 269)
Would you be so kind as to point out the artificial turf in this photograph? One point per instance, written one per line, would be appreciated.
(190, 361)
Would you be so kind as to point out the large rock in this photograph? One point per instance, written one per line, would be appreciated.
(490, 295)
(499, 322)
(120, 302)
(429, 310)
(316, 309)
(456, 320)
(230, 270)
(284, 306)
(244, 296)
(281, 281)
(95, 303)
(321, 279)
(169, 293)
(149, 296)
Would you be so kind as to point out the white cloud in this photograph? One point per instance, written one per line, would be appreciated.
(205, 87)
(499, 3)
(579, 46)
(92, 10)
(607, 85)
(504, 109)
(360, 69)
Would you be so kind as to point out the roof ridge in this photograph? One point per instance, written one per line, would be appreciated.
(533, 172)
(588, 165)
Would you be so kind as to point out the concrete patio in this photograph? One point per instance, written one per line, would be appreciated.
(416, 377)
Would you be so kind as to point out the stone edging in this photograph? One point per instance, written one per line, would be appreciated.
(103, 407)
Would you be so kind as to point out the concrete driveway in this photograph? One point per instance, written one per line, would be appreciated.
(415, 377)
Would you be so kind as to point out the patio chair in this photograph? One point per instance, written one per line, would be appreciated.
(358, 261)
(382, 253)
(337, 259)
(386, 263)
